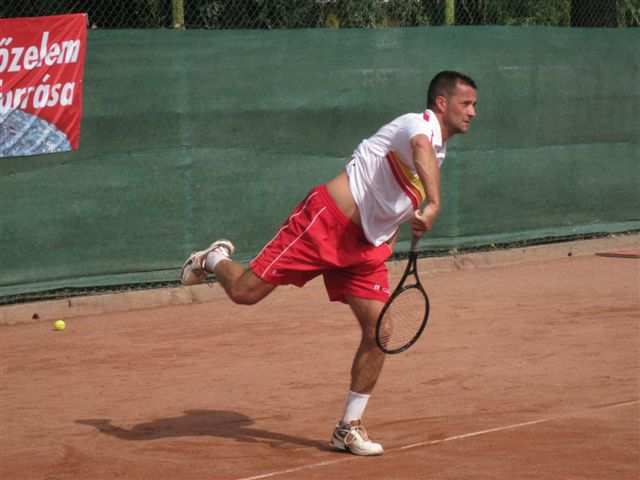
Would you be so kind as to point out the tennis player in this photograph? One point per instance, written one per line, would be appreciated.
(346, 229)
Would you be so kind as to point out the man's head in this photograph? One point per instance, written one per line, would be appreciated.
(453, 97)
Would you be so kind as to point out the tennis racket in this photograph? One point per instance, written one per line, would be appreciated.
(404, 317)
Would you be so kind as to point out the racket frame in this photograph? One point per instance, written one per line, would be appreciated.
(410, 269)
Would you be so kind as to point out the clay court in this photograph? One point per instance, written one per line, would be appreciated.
(529, 368)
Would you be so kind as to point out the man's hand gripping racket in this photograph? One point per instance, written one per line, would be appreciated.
(404, 317)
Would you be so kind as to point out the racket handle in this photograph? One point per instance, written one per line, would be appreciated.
(414, 243)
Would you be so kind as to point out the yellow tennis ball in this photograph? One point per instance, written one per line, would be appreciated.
(59, 325)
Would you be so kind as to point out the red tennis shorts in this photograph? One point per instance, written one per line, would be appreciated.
(318, 238)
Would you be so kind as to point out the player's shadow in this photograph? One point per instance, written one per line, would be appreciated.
(215, 423)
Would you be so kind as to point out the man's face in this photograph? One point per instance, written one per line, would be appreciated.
(460, 109)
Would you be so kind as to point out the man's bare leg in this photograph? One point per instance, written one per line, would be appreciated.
(369, 359)
(241, 284)
(350, 433)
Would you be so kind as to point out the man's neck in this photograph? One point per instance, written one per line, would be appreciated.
(443, 128)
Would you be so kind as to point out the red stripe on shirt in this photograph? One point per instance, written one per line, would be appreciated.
(406, 187)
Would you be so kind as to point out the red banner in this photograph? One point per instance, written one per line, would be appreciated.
(41, 72)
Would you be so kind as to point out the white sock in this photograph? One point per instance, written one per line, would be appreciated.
(354, 406)
(213, 258)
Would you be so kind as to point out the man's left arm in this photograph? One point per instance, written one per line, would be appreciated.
(426, 163)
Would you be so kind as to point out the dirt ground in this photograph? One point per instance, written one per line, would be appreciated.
(525, 371)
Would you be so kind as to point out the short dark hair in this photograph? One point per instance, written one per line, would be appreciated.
(444, 83)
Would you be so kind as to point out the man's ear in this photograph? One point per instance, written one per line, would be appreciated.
(441, 103)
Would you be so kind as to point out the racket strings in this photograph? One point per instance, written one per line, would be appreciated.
(403, 319)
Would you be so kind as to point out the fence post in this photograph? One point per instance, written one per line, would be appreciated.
(178, 13)
(450, 12)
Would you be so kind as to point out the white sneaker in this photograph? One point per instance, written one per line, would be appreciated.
(353, 438)
(193, 271)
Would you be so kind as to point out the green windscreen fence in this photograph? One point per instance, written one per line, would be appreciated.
(189, 136)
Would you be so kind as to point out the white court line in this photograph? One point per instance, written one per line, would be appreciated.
(443, 440)
(510, 427)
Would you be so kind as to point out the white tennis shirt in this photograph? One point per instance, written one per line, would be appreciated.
(382, 175)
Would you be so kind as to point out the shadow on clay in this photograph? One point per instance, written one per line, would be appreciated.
(215, 423)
